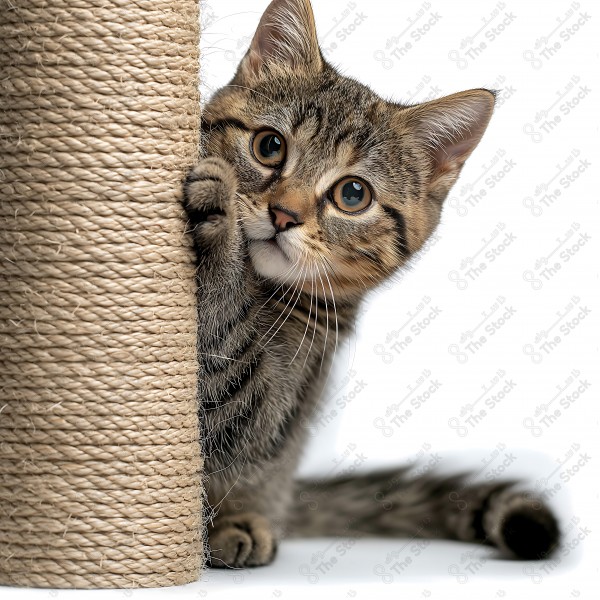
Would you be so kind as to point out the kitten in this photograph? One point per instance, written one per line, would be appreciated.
(311, 192)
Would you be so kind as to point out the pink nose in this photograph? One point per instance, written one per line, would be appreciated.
(283, 219)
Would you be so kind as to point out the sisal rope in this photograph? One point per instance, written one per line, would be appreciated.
(100, 467)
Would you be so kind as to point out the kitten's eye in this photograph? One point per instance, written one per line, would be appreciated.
(269, 148)
(351, 194)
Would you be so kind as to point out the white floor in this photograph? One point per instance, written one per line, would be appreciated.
(410, 568)
(332, 569)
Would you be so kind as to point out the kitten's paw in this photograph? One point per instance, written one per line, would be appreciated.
(522, 525)
(244, 540)
(209, 195)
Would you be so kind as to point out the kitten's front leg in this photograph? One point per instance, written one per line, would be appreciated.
(225, 283)
(252, 515)
(210, 202)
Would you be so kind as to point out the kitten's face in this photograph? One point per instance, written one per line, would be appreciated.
(337, 187)
(324, 185)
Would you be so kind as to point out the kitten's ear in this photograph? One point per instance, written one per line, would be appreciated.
(450, 128)
(286, 36)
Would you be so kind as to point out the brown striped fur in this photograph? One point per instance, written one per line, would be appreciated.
(272, 312)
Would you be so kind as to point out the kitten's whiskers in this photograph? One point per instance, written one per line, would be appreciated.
(326, 317)
(305, 272)
(306, 328)
(297, 281)
(312, 286)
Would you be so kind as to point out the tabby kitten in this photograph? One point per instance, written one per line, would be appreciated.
(312, 191)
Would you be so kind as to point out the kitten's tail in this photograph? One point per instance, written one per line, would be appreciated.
(393, 503)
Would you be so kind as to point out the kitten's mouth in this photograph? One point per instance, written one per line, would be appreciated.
(269, 258)
(274, 242)
(275, 246)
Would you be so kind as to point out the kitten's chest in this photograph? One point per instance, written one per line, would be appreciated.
(272, 339)
(260, 378)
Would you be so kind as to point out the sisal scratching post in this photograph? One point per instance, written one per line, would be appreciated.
(100, 467)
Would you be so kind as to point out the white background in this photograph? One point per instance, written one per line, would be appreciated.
(528, 196)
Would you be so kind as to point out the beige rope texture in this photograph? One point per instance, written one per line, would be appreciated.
(100, 467)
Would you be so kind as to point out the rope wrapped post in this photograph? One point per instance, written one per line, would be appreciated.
(100, 466)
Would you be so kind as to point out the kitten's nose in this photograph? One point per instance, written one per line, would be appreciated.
(283, 219)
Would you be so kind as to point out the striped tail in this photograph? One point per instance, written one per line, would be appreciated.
(392, 503)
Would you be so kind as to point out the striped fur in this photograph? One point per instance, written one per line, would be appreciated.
(273, 305)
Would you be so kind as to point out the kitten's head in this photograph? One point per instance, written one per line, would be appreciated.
(337, 186)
